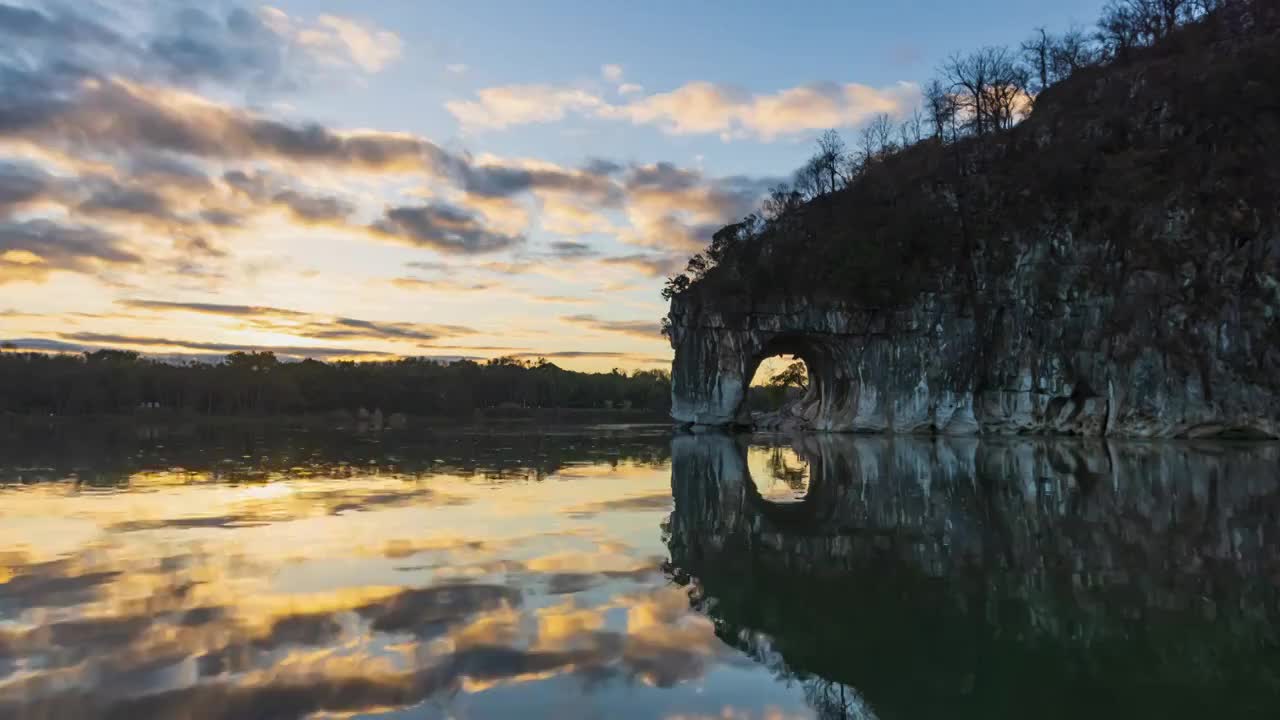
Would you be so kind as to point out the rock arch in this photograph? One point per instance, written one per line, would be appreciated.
(859, 382)
(934, 367)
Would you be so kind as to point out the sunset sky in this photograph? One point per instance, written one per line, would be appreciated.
(333, 178)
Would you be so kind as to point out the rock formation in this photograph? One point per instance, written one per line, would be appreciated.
(1109, 267)
(930, 368)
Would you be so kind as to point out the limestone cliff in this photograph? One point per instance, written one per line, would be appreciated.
(1111, 267)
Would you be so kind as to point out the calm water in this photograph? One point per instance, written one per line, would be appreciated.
(263, 572)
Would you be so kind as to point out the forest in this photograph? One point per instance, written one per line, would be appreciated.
(119, 382)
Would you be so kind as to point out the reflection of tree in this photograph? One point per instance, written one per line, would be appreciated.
(835, 701)
(796, 478)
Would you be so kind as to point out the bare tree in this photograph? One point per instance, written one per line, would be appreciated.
(1037, 52)
(1070, 52)
(941, 108)
(1127, 24)
(877, 138)
(1008, 100)
(782, 200)
(851, 164)
(911, 131)
(831, 150)
(810, 179)
(985, 85)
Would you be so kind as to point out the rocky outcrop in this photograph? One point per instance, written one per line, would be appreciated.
(1108, 267)
(1044, 365)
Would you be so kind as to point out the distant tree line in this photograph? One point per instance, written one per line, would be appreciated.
(973, 98)
(257, 383)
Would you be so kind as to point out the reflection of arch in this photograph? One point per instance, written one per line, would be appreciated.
(791, 517)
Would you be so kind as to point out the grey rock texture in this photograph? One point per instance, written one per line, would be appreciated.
(1053, 364)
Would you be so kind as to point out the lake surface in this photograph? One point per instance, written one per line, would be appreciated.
(620, 572)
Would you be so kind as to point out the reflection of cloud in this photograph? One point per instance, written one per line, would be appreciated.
(433, 610)
(658, 501)
(207, 619)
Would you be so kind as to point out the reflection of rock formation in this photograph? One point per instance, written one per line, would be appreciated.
(997, 579)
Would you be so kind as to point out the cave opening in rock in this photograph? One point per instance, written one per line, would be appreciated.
(785, 392)
(780, 380)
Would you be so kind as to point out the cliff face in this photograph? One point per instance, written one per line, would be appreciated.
(1109, 267)
(1043, 365)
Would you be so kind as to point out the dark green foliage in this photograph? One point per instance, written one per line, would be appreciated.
(118, 382)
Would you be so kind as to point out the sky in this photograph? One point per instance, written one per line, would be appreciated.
(372, 180)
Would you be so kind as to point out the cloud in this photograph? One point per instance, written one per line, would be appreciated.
(457, 68)
(116, 115)
(343, 328)
(679, 209)
(21, 185)
(444, 228)
(304, 207)
(497, 108)
(210, 308)
(637, 328)
(308, 325)
(566, 249)
(99, 339)
(31, 249)
(190, 43)
(703, 107)
(441, 285)
(342, 41)
(234, 47)
(693, 108)
(114, 199)
(652, 265)
(507, 179)
(577, 354)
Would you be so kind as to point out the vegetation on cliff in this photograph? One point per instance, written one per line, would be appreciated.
(1145, 151)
